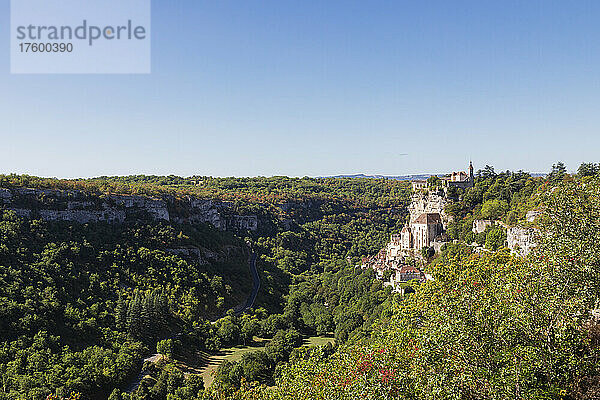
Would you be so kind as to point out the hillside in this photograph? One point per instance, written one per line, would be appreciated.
(81, 303)
(489, 326)
(99, 274)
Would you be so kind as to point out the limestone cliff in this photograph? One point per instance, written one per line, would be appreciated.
(428, 203)
(83, 207)
(522, 240)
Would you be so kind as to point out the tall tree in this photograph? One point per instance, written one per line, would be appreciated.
(558, 172)
(121, 313)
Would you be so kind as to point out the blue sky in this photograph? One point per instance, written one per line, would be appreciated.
(313, 88)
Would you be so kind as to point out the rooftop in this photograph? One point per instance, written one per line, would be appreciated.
(429, 219)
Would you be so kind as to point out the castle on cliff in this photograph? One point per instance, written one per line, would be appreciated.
(455, 179)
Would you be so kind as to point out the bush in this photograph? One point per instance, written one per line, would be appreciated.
(494, 209)
(166, 348)
(495, 238)
(427, 252)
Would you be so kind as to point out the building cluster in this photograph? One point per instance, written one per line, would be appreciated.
(391, 258)
(427, 225)
(425, 230)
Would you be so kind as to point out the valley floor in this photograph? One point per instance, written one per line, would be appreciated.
(212, 361)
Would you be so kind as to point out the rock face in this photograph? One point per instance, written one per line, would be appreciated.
(533, 215)
(157, 208)
(430, 203)
(83, 207)
(480, 225)
(521, 240)
(5, 195)
(245, 222)
(80, 216)
(205, 256)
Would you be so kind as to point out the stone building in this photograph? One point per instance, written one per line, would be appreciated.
(393, 250)
(522, 240)
(403, 274)
(406, 238)
(423, 231)
(458, 179)
(461, 179)
(407, 273)
(418, 185)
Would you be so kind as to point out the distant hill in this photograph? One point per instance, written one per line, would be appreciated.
(398, 178)
(403, 177)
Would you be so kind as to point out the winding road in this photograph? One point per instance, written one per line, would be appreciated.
(255, 285)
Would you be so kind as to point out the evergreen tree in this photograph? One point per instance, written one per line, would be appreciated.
(161, 307)
(134, 315)
(558, 172)
(147, 329)
(121, 313)
(588, 169)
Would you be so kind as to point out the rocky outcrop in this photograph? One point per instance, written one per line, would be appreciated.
(205, 256)
(5, 195)
(480, 225)
(522, 240)
(428, 203)
(532, 216)
(245, 222)
(81, 216)
(157, 208)
(83, 207)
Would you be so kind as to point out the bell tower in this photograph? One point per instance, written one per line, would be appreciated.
(471, 176)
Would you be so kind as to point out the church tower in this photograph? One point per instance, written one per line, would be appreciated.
(471, 176)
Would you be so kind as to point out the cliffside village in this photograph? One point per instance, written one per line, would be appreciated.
(426, 229)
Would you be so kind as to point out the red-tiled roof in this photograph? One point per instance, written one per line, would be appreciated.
(408, 269)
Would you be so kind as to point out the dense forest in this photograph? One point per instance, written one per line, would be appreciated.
(82, 305)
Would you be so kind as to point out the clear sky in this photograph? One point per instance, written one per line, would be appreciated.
(312, 88)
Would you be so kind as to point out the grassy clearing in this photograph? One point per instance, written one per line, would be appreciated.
(318, 340)
(212, 361)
